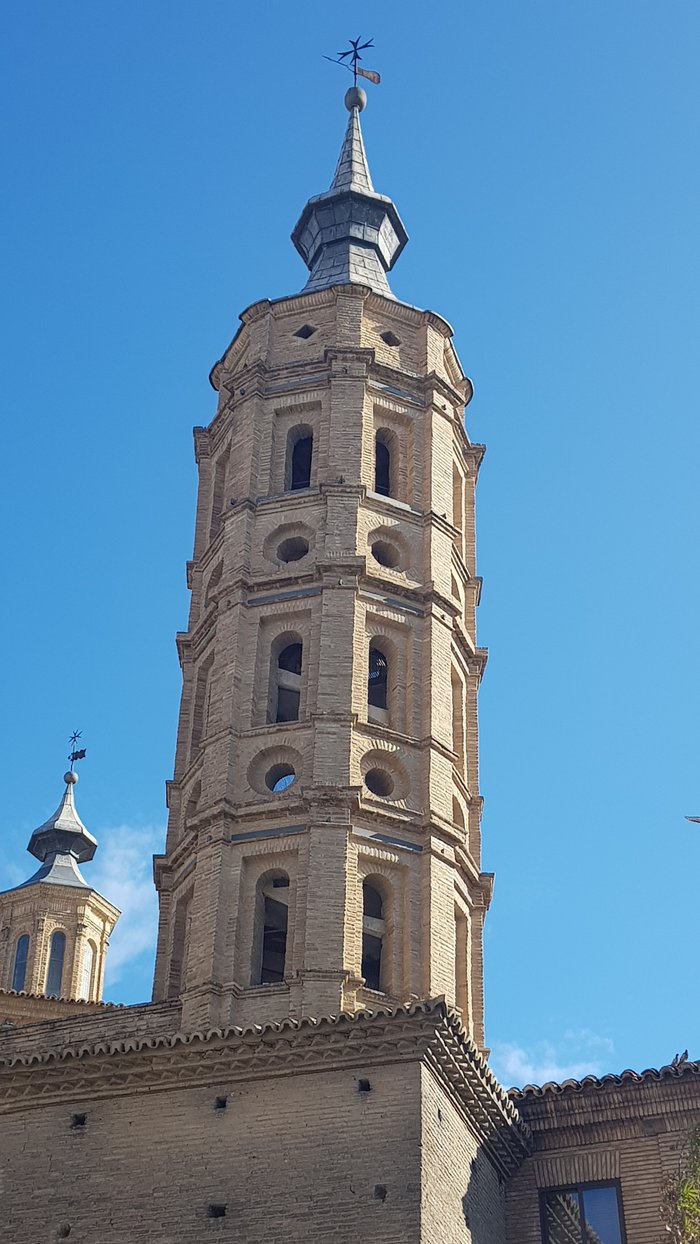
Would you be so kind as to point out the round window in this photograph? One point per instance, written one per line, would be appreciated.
(293, 549)
(386, 554)
(379, 782)
(279, 778)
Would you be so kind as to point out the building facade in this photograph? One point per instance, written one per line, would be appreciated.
(313, 1063)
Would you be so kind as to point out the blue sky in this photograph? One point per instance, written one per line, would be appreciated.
(544, 159)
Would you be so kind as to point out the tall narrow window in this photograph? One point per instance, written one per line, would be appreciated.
(457, 499)
(200, 708)
(19, 972)
(273, 914)
(217, 500)
(377, 685)
(86, 971)
(382, 467)
(289, 682)
(372, 935)
(54, 975)
(458, 736)
(462, 964)
(180, 945)
(301, 445)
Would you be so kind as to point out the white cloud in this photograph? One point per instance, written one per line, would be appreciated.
(122, 873)
(579, 1052)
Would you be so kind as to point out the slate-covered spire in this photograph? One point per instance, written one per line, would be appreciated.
(350, 234)
(62, 843)
(352, 172)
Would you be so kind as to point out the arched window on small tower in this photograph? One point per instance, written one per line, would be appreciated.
(377, 686)
(86, 971)
(382, 465)
(300, 447)
(19, 971)
(54, 975)
(272, 926)
(373, 929)
(288, 682)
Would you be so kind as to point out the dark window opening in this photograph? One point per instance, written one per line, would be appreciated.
(386, 554)
(582, 1214)
(371, 902)
(372, 960)
(19, 974)
(289, 683)
(287, 704)
(216, 1211)
(306, 331)
(279, 777)
(379, 782)
(220, 1103)
(274, 947)
(372, 934)
(301, 463)
(290, 659)
(364, 1086)
(293, 549)
(377, 680)
(54, 975)
(78, 1120)
(382, 469)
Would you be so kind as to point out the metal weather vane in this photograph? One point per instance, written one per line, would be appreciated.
(350, 60)
(76, 753)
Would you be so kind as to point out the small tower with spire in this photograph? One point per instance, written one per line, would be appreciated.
(54, 928)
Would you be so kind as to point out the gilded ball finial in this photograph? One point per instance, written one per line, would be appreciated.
(70, 778)
(355, 98)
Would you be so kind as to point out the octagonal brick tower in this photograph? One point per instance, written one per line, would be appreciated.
(323, 847)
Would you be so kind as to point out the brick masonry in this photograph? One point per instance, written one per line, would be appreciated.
(387, 1128)
(371, 368)
(629, 1129)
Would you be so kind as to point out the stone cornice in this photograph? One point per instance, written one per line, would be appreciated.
(456, 397)
(428, 1031)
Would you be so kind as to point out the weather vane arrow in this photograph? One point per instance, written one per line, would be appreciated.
(350, 60)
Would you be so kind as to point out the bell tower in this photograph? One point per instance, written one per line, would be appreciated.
(323, 846)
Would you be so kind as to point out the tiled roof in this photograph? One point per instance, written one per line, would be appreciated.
(40, 997)
(652, 1074)
(428, 1030)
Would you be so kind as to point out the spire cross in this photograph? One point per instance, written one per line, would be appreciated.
(75, 752)
(350, 60)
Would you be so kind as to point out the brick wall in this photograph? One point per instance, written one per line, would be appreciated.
(346, 385)
(631, 1131)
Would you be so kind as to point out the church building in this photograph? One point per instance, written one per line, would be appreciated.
(313, 1065)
